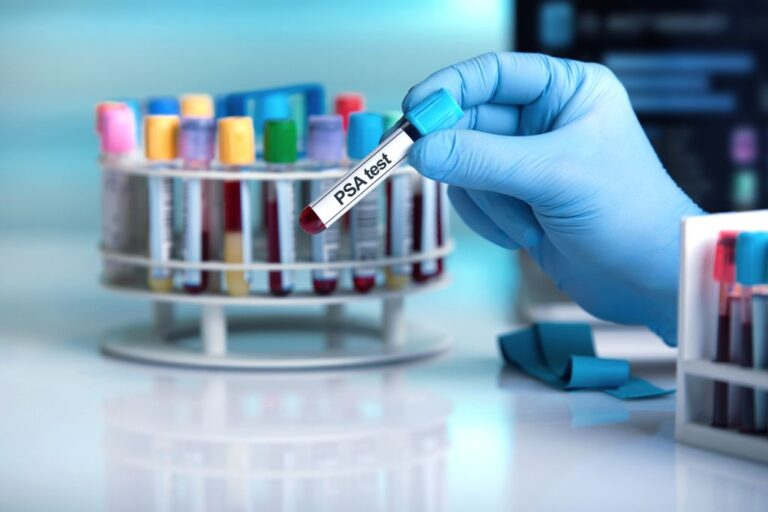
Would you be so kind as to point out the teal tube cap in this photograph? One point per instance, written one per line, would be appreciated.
(752, 258)
(363, 134)
(437, 111)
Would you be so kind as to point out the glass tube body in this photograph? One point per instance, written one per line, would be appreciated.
(281, 231)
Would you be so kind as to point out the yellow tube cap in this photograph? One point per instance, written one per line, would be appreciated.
(161, 137)
(236, 141)
(196, 105)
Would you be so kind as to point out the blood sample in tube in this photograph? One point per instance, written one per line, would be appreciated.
(325, 152)
(236, 151)
(280, 153)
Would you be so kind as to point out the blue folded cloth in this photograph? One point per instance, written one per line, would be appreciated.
(563, 356)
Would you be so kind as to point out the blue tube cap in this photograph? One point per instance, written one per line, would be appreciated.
(163, 105)
(271, 107)
(364, 132)
(220, 106)
(437, 111)
(752, 258)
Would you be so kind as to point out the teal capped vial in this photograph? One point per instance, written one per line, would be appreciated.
(364, 133)
(437, 111)
(752, 258)
(751, 265)
(269, 108)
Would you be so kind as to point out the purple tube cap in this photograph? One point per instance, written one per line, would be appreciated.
(326, 138)
(197, 138)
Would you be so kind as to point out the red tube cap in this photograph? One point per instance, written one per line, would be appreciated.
(725, 257)
(347, 104)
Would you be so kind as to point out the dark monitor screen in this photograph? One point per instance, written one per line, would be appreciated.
(696, 75)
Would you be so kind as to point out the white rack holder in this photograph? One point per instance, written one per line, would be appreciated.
(268, 342)
(697, 332)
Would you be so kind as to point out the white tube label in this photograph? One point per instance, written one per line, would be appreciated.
(325, 245)
(401, 222)
(160, 224)
(285, 228)
(193, 227)
(364, 230)
(116, 215)
(444, 214)
(428, 223)
(361, 180)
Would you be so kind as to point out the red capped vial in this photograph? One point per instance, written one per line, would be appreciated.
(347, 104)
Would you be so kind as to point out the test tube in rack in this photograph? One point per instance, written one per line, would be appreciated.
(197, 142)
(237, 150)
(365, 131)
(161, 134)
(399, 225)
(325, 152)
(117, 133)
(280, 154)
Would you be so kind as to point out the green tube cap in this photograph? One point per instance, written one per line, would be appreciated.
(391, 118)
(280, 141)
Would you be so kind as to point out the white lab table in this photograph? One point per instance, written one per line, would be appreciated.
(80, 431)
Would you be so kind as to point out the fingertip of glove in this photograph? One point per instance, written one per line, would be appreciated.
(414, 95)
(430, 154)
(418, 93)
(408, 101)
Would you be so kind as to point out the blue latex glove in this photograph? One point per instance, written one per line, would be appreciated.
(550, 157)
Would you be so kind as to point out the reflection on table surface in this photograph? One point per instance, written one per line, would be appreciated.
(276, 442)
(599, 453)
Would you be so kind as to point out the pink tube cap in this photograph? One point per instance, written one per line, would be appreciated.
(118, 134)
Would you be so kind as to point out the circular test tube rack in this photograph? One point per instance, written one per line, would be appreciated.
(330, 340)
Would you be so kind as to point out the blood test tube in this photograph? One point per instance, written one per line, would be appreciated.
(347, 104)
(425, 226)
(443, 220)
(137, 194)
(197, 147)
(115, 126)
(399, 225)
(365, 131)
(436, 112)
(280, 154)
(269, 107)
(751, 263)
(161, 134)
(759, 279)
(237, 150)
(325, 151)
(725, 274)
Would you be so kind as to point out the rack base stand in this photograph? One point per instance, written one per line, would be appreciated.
(275, 342)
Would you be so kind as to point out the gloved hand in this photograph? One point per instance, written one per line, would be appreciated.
(551, 158)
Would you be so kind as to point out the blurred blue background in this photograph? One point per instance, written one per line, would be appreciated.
(57, 59)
